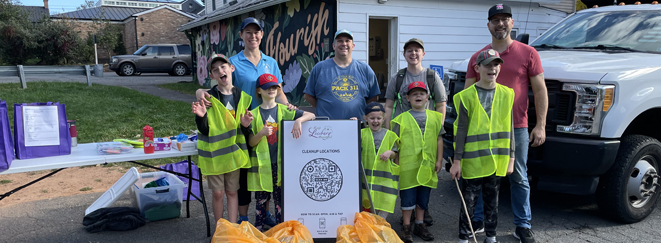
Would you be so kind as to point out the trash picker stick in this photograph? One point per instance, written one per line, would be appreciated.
(368, 188)
(470, 224)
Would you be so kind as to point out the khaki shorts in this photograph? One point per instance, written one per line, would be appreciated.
(224, 182)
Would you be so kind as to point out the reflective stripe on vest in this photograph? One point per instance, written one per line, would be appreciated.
(382, 176)
(418, 152)
(260, 177)
(487, 147)
(225, 149)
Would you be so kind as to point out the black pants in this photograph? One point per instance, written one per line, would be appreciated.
(245, 196)
(470, 188)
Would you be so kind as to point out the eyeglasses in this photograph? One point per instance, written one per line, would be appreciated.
(497, 21)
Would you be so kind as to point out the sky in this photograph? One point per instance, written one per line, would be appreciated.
(56, 6)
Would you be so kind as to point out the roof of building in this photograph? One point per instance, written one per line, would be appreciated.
(35, 13)
(232, 10)
(108, 13)
(191, 6)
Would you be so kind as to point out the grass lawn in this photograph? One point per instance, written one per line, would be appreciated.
(183, 87)
(104, 113)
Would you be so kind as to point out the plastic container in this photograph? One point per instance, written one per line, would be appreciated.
(148, 139)
(109, 148)
(162, 144)
(157, 203)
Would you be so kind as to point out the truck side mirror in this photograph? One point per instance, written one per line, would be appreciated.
(523, 38)
(144, 53)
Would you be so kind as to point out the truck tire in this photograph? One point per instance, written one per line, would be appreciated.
(179, 69)
(127, 69)
(629, 190)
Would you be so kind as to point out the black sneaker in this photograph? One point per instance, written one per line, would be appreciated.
(429, 221)
(478, 227)
(487, 240)
(422, 232)
(525, 235)
(405, 235)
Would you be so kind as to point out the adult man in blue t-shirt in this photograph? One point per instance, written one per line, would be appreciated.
(339, 88)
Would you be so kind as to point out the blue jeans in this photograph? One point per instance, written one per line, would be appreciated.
(519, 185)
(418, 195)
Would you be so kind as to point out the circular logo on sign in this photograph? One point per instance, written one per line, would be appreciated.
(321, 179)
(345, 88)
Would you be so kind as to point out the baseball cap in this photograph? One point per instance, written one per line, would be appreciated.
(500, 9)
(414, 41)
(343, 32)
(266, 81)
(215, 57)
(250, 20)
(487, 56)
(374, 106)
(417, 85)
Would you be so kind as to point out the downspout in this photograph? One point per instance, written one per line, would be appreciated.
(135, 25)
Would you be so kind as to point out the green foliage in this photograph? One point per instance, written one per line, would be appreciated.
(183, 87)
(120, 49)
(2, 182)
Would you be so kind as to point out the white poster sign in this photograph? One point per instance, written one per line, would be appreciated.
(41, 125)
(320, 175)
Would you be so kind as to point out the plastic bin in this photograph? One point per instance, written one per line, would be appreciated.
(157, 203)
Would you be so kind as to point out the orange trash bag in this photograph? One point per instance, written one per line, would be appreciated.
(367, 228)
(290, 231)
(245, 232)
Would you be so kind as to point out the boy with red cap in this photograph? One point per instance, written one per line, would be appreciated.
(420, 157)
(484, 142)
(264, 174)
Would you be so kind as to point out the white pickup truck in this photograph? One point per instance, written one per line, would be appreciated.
(602, 69)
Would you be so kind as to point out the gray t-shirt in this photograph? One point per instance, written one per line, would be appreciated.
(439, 90)
(270, 116)
(378, 139)
(420, 118)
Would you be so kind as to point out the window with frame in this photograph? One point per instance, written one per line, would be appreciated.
(133, 4)
(165, 51)
(121, 3)
(142, 4)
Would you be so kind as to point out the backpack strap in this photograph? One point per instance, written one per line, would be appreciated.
(431, 82)
(400, 79)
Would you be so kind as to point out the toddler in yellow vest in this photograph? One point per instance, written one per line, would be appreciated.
(484, 142)
(379, 146)
(264, 175)
(420, 157)
(221, 142)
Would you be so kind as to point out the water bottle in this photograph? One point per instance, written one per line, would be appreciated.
(148, 139)
(73, 132)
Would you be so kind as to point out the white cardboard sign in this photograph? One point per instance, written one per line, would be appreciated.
(320, 175)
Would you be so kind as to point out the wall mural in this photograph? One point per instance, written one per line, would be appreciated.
(297, 34)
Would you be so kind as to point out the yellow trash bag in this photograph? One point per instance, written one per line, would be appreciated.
(367, 228)
(290, 231)
(245, 232)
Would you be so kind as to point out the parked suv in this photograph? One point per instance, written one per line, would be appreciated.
(154, 58)
(602, 69)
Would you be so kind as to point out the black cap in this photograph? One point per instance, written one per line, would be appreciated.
(250, 20)
(373, 106)
(499, 9)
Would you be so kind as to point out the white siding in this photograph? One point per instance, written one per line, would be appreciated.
(452, 30)
(567, 6)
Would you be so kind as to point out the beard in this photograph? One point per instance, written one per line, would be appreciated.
(499, 35)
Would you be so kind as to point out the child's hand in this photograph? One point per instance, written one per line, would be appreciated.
(386, 155)
(296, 130)
(202, 96)
(198, 109)
(353, 118)
(438, 166)
(510, 167)
(455, 170)
(291, 107)
(246, 118)
(266, 130)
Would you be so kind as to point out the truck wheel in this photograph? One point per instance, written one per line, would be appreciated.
(179, 69)
(628, 191)
(127, 69)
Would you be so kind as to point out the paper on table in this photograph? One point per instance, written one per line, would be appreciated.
(40, 126)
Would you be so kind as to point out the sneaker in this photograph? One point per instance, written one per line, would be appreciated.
(269, 219)
(478, 227)
(242, 218)
(525, 235)
(422, 232)
(490, 240)
(405, 235)
(429, 221)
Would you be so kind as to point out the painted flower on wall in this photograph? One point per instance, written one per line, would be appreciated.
(261, 16)
(214, 32)
(223, 31)
(292, 7)
(201, 69)
(292, 77)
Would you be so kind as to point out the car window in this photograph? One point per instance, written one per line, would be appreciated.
(166, 51)
(151, 51)
(184, 49)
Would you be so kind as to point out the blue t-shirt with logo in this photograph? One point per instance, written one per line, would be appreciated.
(342, 92)
(245, 73)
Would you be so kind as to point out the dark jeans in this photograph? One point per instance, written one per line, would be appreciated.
(245, 196)
(470, 188)
(263, 197)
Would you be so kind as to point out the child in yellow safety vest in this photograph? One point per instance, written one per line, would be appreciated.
(221, 142)
(420, 157)
(484, 142)
(264, 173)
(379, 146)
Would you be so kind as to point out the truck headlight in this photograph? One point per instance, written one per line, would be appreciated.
(113, 60)
(592, 104)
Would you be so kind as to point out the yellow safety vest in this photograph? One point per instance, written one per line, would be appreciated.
(418, 152)
(260, 177)
(382, 176)
(487, 148)
(225, 149)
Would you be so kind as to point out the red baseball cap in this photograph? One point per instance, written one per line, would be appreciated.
(266, 80)
(417, 85)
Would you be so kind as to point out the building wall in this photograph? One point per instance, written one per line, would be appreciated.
(567, 6)
(452, 30)
(160, 27)
(83, 28)
(130, 36)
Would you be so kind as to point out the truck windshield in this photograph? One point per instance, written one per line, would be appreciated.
(140, 50)
(615, 31)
